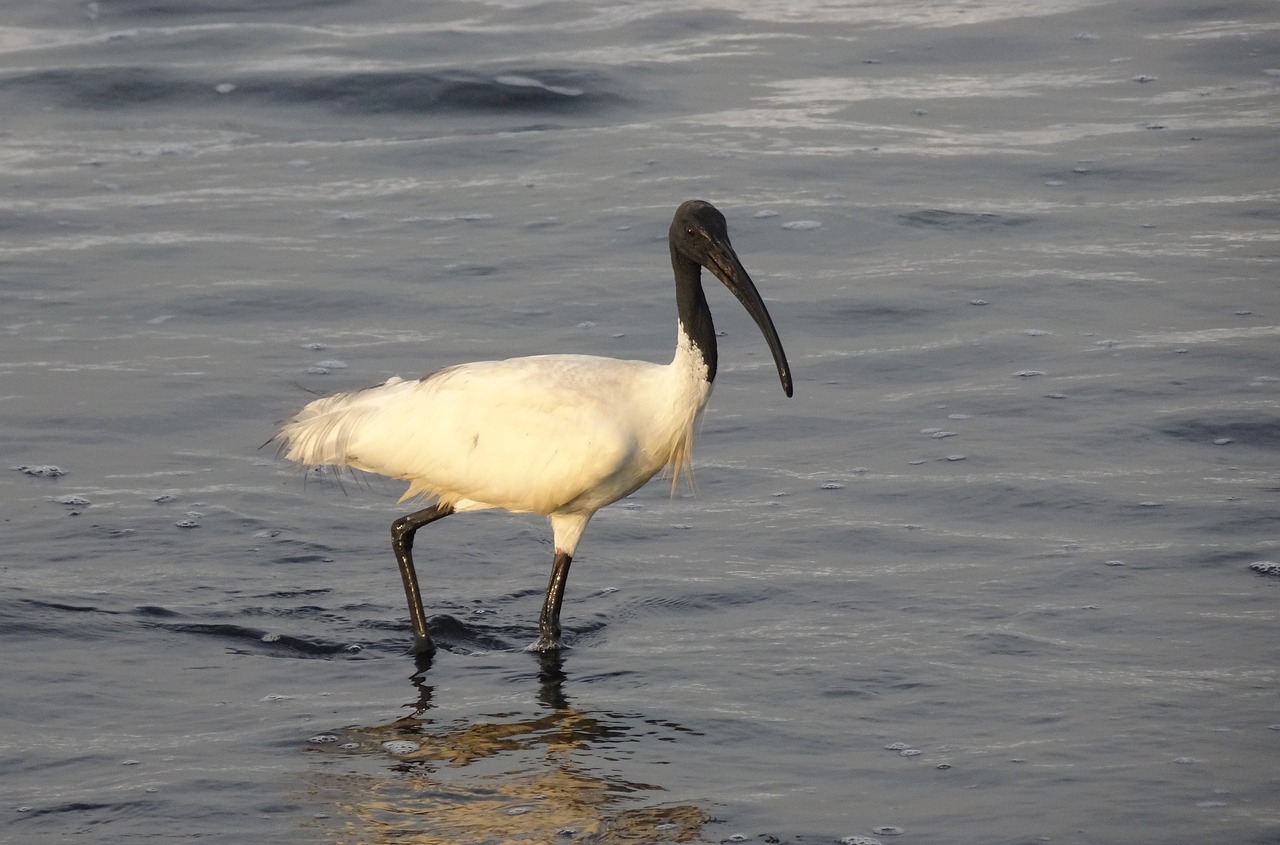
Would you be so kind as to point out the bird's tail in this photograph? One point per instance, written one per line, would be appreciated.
(320, 434)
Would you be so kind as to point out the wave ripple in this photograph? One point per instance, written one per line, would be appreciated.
(367, 92)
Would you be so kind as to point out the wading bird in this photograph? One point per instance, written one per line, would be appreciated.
(558, 435)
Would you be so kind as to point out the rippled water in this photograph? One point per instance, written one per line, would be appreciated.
(986, 578)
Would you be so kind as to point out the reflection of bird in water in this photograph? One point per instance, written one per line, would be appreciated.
(515, 778)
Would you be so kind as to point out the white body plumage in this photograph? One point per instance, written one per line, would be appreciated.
(558, 435)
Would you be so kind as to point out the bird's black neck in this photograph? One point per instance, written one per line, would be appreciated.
(691, 306)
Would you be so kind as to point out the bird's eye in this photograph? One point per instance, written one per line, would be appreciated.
(689, 231)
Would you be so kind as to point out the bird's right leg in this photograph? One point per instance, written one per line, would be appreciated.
(549, 620)
(402, 531)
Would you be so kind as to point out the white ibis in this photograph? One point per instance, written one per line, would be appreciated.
(558, 435)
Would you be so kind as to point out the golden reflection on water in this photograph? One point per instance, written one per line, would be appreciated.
(501, 778)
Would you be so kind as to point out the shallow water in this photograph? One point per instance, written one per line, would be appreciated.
(986, 578)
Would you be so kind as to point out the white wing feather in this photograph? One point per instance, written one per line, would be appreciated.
(539, 434)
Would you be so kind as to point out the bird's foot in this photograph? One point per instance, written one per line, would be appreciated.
(422, 646)
(546, 644)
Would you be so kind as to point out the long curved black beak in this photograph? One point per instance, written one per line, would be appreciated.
(724, 263)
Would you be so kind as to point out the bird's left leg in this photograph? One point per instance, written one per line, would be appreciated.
(402, 531)
(549, 620)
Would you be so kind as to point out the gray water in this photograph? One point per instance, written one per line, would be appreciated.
(986, 578)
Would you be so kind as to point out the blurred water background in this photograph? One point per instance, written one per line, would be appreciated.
(988, 578)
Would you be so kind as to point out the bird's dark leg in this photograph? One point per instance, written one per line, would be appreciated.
(549, 621)
(402, 531)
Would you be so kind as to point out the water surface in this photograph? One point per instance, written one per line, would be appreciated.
(986, 578)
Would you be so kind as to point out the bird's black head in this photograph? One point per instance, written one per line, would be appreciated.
(699, 236)
(696, 229)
